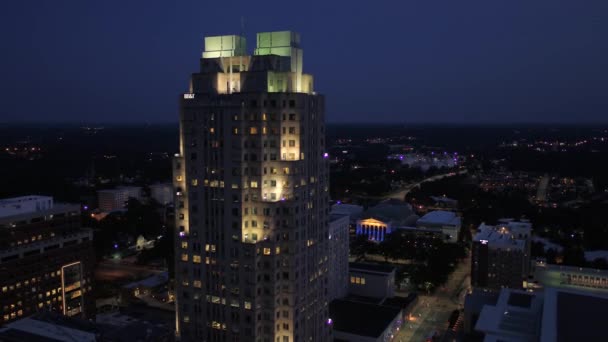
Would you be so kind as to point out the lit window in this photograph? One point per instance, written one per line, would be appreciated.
(184, 257)
(266, 251)
(253, 130)
(184, 244)
(196, 259)
(195, 182)
(197, 283)
(254, 184)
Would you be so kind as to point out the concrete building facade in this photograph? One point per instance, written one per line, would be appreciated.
(501, 255)
(371, 280)
(448, 223)
(24, 204)
(338, 256)
(252, 203)
(116, 199)
(46, 263)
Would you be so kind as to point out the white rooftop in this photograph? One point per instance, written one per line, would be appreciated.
(507, 234)
(440, 217)
(550, 316)
(515, 317)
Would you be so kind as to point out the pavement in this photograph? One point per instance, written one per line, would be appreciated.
(110, 270)
(431, 313)
(401, 193)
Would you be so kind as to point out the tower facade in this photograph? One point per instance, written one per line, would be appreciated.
(251, 183)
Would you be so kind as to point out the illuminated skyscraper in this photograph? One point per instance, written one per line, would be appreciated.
(252, 208)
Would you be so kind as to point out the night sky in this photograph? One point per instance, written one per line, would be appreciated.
(406, 61)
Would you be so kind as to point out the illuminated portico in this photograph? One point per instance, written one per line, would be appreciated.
(374, 229)
(382, 219)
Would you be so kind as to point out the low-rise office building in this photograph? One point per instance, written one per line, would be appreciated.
(568, 277)
(371, 280)
(46, 262)
(447, 223)
(364, 319)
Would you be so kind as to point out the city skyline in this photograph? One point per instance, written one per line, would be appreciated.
(186, 172)
(492, 63)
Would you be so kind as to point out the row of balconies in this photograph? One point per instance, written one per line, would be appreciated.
(42, 245)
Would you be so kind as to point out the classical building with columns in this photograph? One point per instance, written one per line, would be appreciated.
(384, 218)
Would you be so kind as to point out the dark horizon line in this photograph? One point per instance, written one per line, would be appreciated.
(342, 123)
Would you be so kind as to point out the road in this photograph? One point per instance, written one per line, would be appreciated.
(110, 270)
(400, 195)
(431, 313)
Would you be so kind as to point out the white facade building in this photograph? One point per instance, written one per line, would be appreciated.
(116, 199)
(338, 256)
(24, 204)
(445, 221)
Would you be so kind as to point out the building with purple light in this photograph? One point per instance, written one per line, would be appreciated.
(501, 255)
